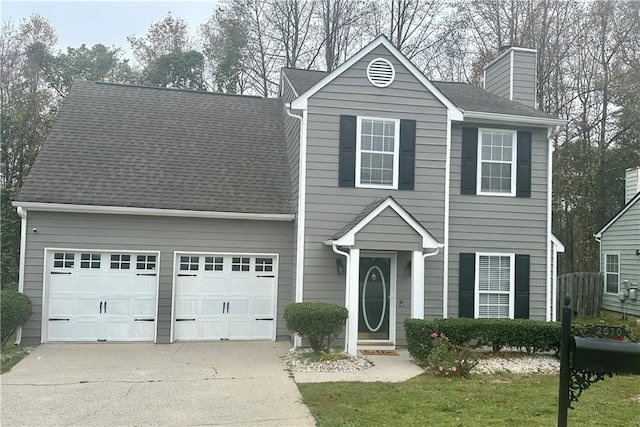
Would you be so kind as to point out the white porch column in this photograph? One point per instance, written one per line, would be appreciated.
(417, 285)
(353, 286)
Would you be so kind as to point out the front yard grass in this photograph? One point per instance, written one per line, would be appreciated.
(11, 354)
(490, 400)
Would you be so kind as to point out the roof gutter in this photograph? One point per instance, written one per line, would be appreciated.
(347, 255)
(527, 120)
(125, 210)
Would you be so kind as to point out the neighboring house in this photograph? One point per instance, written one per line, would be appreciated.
(620, 252)
(161, 215)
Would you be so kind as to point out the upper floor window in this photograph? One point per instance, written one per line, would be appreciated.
(494, 286)
(496, 162)
(377, 152)
(612, 273)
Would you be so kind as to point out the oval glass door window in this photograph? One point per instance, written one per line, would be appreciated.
(374, 300)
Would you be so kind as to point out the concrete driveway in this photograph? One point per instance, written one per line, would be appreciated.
(213, 383)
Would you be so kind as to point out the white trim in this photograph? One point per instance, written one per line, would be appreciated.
(44, 324)
(396, 153)
(417, 285)
(511, 76)
(428, 241)
(300, 103)
(284, 75)
(513, 119)
(22, 212)
(514, 166)
(353, 285)
(507, 52)
(347, 256)
(558, 244)
(512, 281)
(617, 254)
(124, 210)
(302, 214)
(550, 236)
(447, 201)
(276, 272)
(633, 201)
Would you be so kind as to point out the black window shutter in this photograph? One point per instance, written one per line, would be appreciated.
(521, 309)
(467, 285)
(406, 174)
(347, 152)
(469, 160)
(523, 172)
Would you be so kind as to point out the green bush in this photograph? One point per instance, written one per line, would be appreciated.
(448, 359)
(525, 334)
(16, 310)
(318, 322)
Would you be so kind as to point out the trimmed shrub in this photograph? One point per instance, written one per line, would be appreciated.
(16, 310)
(525, 334)
(317, 322)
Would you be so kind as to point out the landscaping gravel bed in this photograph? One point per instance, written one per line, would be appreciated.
(512, 362)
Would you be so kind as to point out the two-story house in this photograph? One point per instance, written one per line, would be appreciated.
(161, 215)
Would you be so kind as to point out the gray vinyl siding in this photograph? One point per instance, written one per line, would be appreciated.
(388, 230)
(292, 133)
(498, 78)
(329, 207)
(631, 184)
(524, 78)
(510, 225)
(623, 238)
(152, 233)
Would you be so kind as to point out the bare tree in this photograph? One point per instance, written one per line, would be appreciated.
(293, 30)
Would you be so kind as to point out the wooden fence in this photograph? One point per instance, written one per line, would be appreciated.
(585, 290)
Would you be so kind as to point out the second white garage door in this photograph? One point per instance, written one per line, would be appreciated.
(225, 296)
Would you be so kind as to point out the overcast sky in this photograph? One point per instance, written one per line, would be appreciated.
(106, 22)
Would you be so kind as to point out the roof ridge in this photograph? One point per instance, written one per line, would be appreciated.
(201, 92)
(302, 69)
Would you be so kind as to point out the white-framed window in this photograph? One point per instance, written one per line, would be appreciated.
(240, 264)
(189, 263)
(63, 260)
(145, 262)
(91, 261)
(377, 152)
(495, 285)
(120, 262)
(264, 264)
(213, 263)
(497, 162)
(611, 273)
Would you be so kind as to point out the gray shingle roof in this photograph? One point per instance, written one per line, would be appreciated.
(119, 145)
(465, 96)
(303, 80)
(471, 98)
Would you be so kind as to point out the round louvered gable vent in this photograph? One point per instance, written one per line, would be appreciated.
(380, 72)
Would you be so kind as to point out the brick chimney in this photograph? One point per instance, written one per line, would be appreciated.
(631, 183)
(512, 75)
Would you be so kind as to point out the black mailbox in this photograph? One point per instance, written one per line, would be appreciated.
(598, 355)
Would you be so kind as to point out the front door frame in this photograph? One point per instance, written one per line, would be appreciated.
(393, 264)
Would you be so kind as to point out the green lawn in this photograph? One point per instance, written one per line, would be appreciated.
(487, 400)
(11, 354)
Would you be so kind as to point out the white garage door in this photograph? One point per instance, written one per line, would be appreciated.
(101, 296)
(220, 296)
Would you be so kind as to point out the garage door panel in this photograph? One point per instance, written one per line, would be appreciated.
(262, 307)
(263, 329)
(232, 290)
(101, 293)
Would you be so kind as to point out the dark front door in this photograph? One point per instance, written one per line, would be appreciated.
(374, 298)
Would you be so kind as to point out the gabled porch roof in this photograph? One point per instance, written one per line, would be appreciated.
(347, 235)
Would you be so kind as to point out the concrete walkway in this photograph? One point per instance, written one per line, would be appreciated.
(385, 368)
(213, 383)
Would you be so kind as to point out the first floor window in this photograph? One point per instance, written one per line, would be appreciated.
(497, 159)
(612, 273)
(378, 144)
(494, 286)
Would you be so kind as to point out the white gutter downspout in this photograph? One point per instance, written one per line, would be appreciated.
(302, 172)
(346, 280)
(23, 245)
(551, 299)
(447, 191)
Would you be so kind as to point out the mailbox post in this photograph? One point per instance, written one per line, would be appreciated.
(584, 361)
